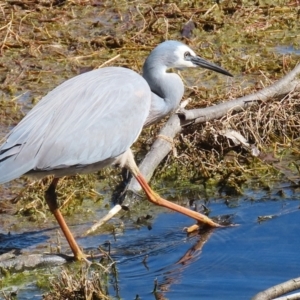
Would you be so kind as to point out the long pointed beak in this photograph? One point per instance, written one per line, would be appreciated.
(198, 61)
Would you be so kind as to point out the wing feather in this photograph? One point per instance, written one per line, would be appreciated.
(87, 119)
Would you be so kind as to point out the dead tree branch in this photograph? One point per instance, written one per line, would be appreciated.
(278, 290)
(277, 90)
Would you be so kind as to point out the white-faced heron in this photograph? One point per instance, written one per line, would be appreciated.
(91, 120)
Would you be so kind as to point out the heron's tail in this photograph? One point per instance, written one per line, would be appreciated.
(13, 166)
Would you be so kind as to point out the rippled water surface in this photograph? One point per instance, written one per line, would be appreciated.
(229, 263)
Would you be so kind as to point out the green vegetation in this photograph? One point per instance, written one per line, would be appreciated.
(44, 42)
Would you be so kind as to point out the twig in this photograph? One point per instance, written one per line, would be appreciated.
(279, 289)
(109, 61)
(9, 24)
(106, 218)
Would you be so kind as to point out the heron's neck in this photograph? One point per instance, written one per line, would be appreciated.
(167, 86)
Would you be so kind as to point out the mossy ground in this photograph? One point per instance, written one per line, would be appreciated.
(44, 42)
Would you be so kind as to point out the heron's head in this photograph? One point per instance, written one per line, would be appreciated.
(174, 54)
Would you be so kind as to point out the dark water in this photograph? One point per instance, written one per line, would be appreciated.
(229, 263)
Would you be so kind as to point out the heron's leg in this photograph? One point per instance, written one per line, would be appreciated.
(51, 199)
(156, 199)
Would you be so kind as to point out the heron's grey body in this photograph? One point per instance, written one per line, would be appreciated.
(80, 123)
(91, 120)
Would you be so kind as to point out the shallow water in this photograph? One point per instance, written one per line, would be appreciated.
(230, 263)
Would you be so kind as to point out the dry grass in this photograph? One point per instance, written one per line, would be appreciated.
(83, 285)
(203, 153)
(275, 121)
(45, 42)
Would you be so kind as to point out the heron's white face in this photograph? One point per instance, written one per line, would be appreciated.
(184, 54)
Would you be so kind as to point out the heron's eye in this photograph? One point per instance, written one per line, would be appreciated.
(187, 55)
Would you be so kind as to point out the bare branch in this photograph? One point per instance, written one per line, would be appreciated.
(278, 290)
(277, 90)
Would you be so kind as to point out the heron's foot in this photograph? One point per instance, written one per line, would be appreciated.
(192, 228)
(200, 224)
(88, 258)
(81, 256)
